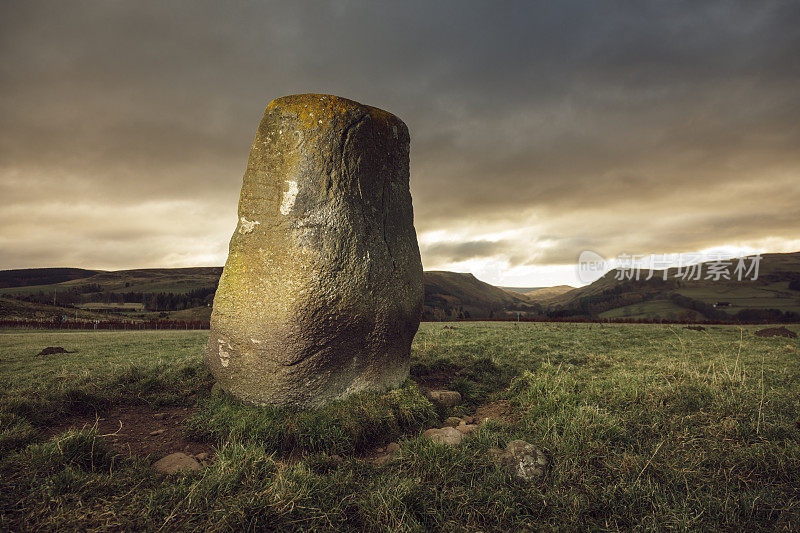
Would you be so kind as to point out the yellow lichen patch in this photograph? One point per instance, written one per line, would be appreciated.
(319, 110)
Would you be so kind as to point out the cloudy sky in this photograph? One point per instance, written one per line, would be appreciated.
(539, 129)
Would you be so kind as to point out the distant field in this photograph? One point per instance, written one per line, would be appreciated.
(193, 314)
(651, 309)
(771, 296)
(130, 306)
(645, 426)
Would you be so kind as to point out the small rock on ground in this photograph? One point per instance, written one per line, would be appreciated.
(176, 462)
(522, 459)
(446, 435)
(445, 398)
(157, 432)
(466, 429)
(452, 421)
(390, 453)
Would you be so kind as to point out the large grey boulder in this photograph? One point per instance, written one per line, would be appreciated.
(322, 292)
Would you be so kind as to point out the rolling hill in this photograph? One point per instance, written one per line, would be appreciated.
(448, 295)
(452, 295)
(42, 276)
(775, 291)
(185, 294)
(547, 293)
(147, 280)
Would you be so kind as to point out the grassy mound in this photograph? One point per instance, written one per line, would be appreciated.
(342, 427)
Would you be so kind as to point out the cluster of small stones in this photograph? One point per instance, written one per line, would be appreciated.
(174, 463)
(522, 459)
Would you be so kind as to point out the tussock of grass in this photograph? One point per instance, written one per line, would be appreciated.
(342, 427)
(157, 386)
(79, 449)
(15, 432)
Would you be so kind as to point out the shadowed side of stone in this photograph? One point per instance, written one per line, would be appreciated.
(322, 293)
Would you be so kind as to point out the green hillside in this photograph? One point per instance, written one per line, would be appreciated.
(453, 295)
(150, 280)
(777, 288)
(448, 295)
(185, 294)
(24, 277)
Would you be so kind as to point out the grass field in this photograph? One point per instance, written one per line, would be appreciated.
(645, 427)
(130, 306)
(770, 296)
(650, 309)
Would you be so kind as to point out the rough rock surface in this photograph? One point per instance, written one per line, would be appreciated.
(445, 398)
(446, 435)
(322, 291)
(522, 459)
(176, 462)
(389, 454)
(467, 429)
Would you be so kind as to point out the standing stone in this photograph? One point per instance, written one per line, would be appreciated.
(322, 292)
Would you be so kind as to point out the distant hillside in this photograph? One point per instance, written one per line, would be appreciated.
(521, 290)
(548, 293)
(774, 296)
(451, 295)
(186, 293)
(448, 295)
(42, 276)
(146, 280)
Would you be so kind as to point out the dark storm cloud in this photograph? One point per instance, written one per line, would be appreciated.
(461, 251)
(598, 125)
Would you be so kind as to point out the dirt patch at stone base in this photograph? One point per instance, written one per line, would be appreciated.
(139, 430)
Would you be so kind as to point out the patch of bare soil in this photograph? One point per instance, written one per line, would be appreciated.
(498, 410)
(139, 430)
(435, 380)
(782, 331)
(52, 350)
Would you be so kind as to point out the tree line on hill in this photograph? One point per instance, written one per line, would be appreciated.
(153, 301)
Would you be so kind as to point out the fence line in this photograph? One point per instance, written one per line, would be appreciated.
(104, 324)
